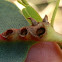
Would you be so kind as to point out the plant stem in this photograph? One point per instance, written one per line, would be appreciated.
(21, 3)
(25, 2)
(54, 13)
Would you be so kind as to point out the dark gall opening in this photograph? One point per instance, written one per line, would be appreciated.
(24, 32)
(9, 32)
(40, 31)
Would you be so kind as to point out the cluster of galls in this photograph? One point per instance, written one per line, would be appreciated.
(29, 33)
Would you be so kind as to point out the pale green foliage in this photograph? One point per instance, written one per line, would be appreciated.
(28, 11)
(54, 13)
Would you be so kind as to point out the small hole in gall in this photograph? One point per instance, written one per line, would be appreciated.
(40, 31)
(23, 32)
(9, 32)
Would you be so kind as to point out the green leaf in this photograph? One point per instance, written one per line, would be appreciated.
(30, 12)
(33, 13)
(10, 17)
(26, 15)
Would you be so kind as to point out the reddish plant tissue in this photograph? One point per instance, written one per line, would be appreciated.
(10, 35)
(44, 52)
(2, 38)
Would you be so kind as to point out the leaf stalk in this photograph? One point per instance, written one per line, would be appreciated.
(54, 13)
